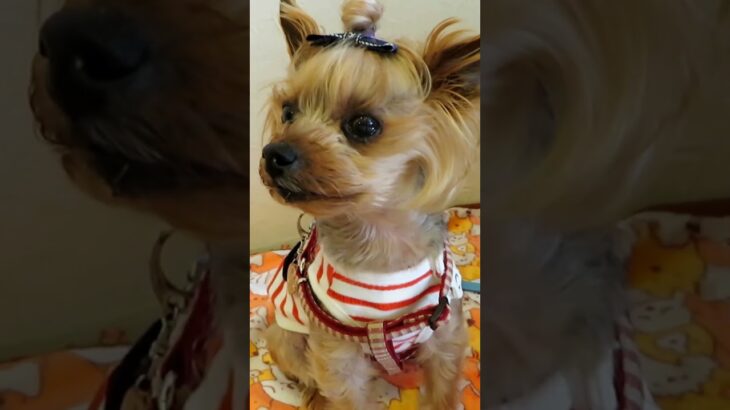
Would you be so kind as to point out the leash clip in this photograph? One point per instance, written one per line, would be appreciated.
(433, 320)
(169, 296)
(303, 233)
(167, 394)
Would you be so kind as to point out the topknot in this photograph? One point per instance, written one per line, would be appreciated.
(361, 16)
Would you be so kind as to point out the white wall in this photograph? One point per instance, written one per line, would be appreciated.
(271, 223)
(68, 266)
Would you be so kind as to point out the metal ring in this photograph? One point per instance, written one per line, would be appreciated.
(167, 392)
(167, 294)
(302, 232)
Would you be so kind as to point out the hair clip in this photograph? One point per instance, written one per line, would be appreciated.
(358, 39)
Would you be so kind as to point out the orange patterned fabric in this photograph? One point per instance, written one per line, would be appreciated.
(58, 381)
(679, 278)
(270, 389)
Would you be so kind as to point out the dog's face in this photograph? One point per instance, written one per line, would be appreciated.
(147, 105)
(354, 130)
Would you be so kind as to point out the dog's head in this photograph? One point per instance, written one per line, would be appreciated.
(361, 124)
(147, 105)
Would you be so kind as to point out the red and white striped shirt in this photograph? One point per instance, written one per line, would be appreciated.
(358, 298)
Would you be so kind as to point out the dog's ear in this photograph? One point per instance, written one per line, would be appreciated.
(297, 25)
(452, 57)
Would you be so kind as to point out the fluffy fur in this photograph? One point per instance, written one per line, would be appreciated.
(377, 203)
(593, 110)
(176, 146)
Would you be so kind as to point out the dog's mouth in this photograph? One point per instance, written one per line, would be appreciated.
(130, 177)
(293, 196)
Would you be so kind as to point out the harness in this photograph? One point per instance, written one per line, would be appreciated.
(376, 336)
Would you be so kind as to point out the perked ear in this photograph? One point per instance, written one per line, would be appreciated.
(452, 57)
(297, 25)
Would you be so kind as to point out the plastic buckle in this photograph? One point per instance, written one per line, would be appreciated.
(433, 320)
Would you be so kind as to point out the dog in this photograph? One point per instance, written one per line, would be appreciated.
(370, 137)
(592, 111)
(147, 105)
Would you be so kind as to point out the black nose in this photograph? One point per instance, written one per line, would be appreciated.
(280, 157)
(91, 52)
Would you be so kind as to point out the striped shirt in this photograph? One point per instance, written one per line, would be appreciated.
(358, 298)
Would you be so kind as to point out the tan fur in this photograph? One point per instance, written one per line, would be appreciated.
(601, 109)
(442, 359)
(595, 110)
(199, 117)
(377, 203)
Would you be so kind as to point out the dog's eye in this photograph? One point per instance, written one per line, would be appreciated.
(361, 128)
(287, 113)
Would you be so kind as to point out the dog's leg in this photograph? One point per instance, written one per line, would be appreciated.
(442, 358)
(343, 374)
(289, 352)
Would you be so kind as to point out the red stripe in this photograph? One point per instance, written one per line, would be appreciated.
(273, 279)
(632, 380)
(320, 271)
(296, 313)
(631, 356)
(330, 273)
(278, 290)
(382, 306)
(404, 341)
(325, 319)
(281, 305)
(383, 287)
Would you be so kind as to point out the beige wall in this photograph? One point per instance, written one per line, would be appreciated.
(273, 224)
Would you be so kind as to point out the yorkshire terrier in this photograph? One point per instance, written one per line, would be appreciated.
(371, 138)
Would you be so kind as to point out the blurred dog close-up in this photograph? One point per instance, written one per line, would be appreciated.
(593, 111)
(146, 104)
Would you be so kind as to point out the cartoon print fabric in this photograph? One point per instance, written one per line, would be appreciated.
(65, 380)
(679, 293)
(271, 390)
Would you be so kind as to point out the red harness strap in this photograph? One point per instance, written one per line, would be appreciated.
(377, 335)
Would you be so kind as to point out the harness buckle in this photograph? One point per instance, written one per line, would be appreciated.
(433, 320)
